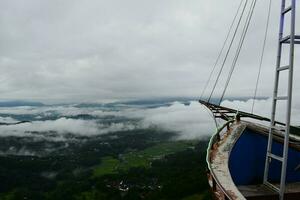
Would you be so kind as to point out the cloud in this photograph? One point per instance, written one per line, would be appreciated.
(194, 120)
(60, 129)
(189, 121)
(71, 50)
(18, 152)
(263, 108)
(7, 120)
(65, 110)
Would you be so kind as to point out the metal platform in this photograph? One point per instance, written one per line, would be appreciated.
(262, 192)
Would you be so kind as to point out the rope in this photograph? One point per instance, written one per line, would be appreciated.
(262, 55)
(227, 53)
(240, 45)
(220, 53)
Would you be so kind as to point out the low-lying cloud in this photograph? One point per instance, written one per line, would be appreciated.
(189, 121)
(61, 128)
(7, 120)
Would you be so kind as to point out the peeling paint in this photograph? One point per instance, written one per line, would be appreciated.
(219, 160)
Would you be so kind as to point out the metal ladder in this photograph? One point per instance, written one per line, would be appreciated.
(290, 40)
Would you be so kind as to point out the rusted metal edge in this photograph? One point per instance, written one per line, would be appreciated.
(229, 113)
(226, 114)
(216, 138)
(278, 136)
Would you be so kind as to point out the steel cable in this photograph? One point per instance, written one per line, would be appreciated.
(227, 53)
(240, 45)
(222, 49)
(262, 55)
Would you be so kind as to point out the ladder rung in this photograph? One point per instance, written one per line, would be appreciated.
(275, 157)
(278, 128)
(287, 10)
(283, 68)
(281, 98)
(273, 187)
(287, 39)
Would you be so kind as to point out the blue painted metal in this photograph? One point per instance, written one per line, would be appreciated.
(247, 160)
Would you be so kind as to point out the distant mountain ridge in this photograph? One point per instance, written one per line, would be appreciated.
(155, 102)
(20, 103)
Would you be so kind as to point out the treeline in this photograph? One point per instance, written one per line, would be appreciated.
(69, 175)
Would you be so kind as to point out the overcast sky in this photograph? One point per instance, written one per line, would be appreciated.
(96, 50)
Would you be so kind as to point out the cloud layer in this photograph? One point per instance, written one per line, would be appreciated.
(189, 121)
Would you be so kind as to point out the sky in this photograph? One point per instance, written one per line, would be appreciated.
(96, 50)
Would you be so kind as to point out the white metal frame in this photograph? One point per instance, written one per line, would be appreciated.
(290, 39)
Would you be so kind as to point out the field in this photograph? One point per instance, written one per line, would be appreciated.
(144, 158)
